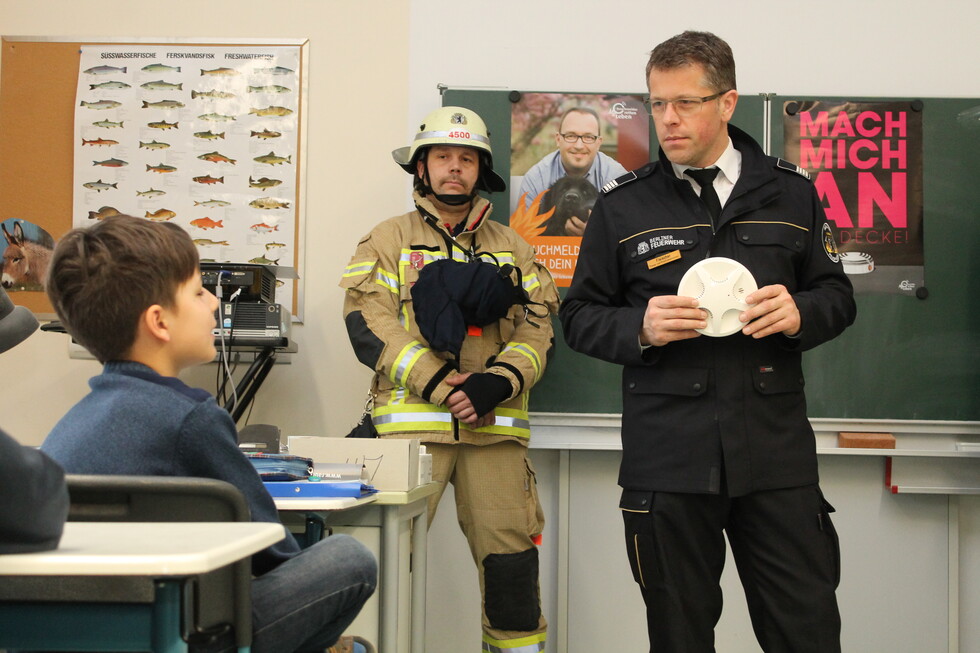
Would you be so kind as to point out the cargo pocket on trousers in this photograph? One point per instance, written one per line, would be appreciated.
(640, 549)
(535, 513)
(833, 542)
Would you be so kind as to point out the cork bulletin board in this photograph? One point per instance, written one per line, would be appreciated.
(38, 82)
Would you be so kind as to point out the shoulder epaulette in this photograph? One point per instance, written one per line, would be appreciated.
(631, 176)
(791, 167)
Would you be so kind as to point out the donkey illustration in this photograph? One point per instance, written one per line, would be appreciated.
(25, 262)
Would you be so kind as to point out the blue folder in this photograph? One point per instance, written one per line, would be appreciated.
(315, 489)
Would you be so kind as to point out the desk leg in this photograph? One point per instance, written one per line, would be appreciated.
(166, 619)
(388, 635)
(420, 529)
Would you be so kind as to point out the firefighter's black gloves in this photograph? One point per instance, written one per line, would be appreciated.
(485, 391)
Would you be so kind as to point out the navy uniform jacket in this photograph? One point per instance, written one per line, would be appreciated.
(695, 407)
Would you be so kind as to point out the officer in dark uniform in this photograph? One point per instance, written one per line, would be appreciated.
(715, 434)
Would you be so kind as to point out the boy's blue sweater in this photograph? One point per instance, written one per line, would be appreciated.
(136, 421)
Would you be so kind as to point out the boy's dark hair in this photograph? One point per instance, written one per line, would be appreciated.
(704, 48)
(103, 277)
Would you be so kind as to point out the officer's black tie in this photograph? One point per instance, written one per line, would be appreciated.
(705, 179)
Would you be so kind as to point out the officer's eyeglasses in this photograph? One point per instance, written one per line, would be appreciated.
(685, 106)
(588, 139)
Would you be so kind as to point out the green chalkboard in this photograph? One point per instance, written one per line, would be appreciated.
(908, 357)
(905, 357)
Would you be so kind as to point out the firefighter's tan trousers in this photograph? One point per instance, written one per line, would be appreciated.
(498, 509)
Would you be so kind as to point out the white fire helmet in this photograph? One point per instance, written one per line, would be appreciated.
(453, 126)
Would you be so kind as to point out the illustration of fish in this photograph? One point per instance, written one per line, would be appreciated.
(163, 124)
(100, 142)
(220, 72)
(207, 223)
(208, 135)
(160, 68)
(152, 192)
(270, 111)
(213, 204)
(278, 70)
(154, 145)
(206, 242)
(213, 94)
(271, 88)
(160, 215)
(161, 168)
(108, 124)
(109, 85)
(101, 104)
(263, 228)
(208, 179)
(216, 157)
(266, 134)
(161, 85)
(271, 246)
(104, 70)
(98, 186)
(111, 163)
(103, 213)
(268, 203)
(261, 260)
(215, 117)
(265, 182)
(271, 159)
(162, 104)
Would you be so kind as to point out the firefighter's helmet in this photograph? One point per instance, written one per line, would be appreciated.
(453, 126)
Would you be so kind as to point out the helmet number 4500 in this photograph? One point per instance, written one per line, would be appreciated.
(459, 134)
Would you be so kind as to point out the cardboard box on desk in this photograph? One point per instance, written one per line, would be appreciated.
(391, 465)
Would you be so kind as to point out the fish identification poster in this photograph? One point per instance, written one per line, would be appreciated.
(206, 137)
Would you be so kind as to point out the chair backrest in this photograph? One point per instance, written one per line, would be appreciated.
(222, 600)
(154, 499)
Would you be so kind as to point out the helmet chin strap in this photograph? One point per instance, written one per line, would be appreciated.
(453, 199)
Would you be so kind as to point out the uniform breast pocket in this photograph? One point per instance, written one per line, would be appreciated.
(771, 250)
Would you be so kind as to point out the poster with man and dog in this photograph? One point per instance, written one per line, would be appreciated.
(564, 148)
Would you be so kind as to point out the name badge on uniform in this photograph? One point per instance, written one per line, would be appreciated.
(663, 258)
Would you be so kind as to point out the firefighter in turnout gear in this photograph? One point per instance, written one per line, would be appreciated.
(469, 408)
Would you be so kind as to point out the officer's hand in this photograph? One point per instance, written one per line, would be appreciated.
(669, 318)
(574, 226)
(771, 310)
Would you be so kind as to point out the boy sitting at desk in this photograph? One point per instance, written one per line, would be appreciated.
(129, 291)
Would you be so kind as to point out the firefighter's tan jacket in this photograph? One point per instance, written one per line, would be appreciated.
(410, 377)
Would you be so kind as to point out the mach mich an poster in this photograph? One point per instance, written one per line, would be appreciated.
(865, 159)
